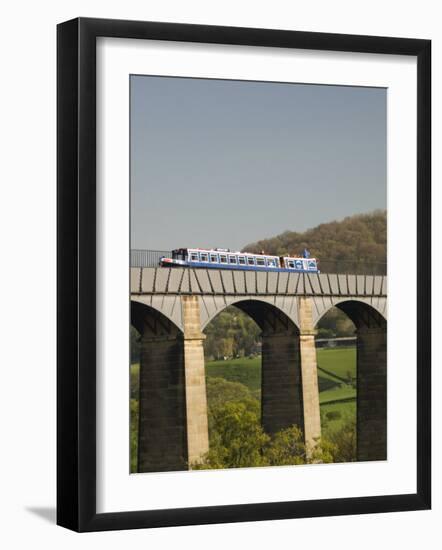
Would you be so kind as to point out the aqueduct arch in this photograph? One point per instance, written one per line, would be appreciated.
(170, 308)
(162, 437)
(173, 426)
(281, 383)
(371, 359)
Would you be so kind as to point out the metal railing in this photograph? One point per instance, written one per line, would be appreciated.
(147, 258)
(354, 267)
(340, 342)
(151, 258)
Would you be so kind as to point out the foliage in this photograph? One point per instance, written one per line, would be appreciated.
(333, 415)
(236, 436)
(134, 345)
(134, 380)
(323, 452)
(335, 324)
(361, 239)
(134, 414)
(220, 391)
(347, 409)
(342, 442)
(286, 447)
(237, 439)
(231, 334)
(243, 370)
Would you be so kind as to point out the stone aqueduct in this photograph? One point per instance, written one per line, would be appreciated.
(171, 308)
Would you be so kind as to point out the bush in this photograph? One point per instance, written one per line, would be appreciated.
(134, 414)
(342, 442)
(333, 415)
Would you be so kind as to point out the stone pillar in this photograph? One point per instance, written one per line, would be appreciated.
(281, 400)
(372, 393)
(162, 436)
(309, 374)
(195, 381)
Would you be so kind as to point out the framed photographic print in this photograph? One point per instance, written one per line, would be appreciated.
(243, 274)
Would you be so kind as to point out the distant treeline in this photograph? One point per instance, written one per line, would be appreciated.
(359, 240)
(232, 334)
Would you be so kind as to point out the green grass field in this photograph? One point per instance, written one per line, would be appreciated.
(339, 361)
(337, 393)
(243, 370)
(344, 409)
(340, 364)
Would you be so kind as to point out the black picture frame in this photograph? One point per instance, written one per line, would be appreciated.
(76, 274)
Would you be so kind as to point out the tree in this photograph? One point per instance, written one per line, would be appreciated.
(236, 436)
(357, 243)
(134, 345)
(335, 323)
(134, 413)
(231, 334)
(343, 442)
(286, 447)
(221, 391)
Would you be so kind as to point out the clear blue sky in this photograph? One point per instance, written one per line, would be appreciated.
(224, 163)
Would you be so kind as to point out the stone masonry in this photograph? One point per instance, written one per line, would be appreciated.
(372, 393)
(162, 415)
(309, 373)
(281, 390)
(195, 382)
(171, 308)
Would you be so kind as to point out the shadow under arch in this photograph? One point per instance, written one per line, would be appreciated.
(371, 359)
(139, 309)
(255, 307)
(362, 314)
(281, 384)
(162, 439)
(352, 308)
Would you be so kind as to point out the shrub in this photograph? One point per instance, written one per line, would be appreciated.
(333, 415)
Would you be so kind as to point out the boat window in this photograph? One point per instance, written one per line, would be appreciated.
(214, 258)
(250, 260)
(204, 256)
(271, 262)
(260, 261)
(194, 256)
(232, 259)
(222, 258)
(291, 264)
(241, 260)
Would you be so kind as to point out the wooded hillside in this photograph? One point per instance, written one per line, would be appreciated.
(361, 238)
